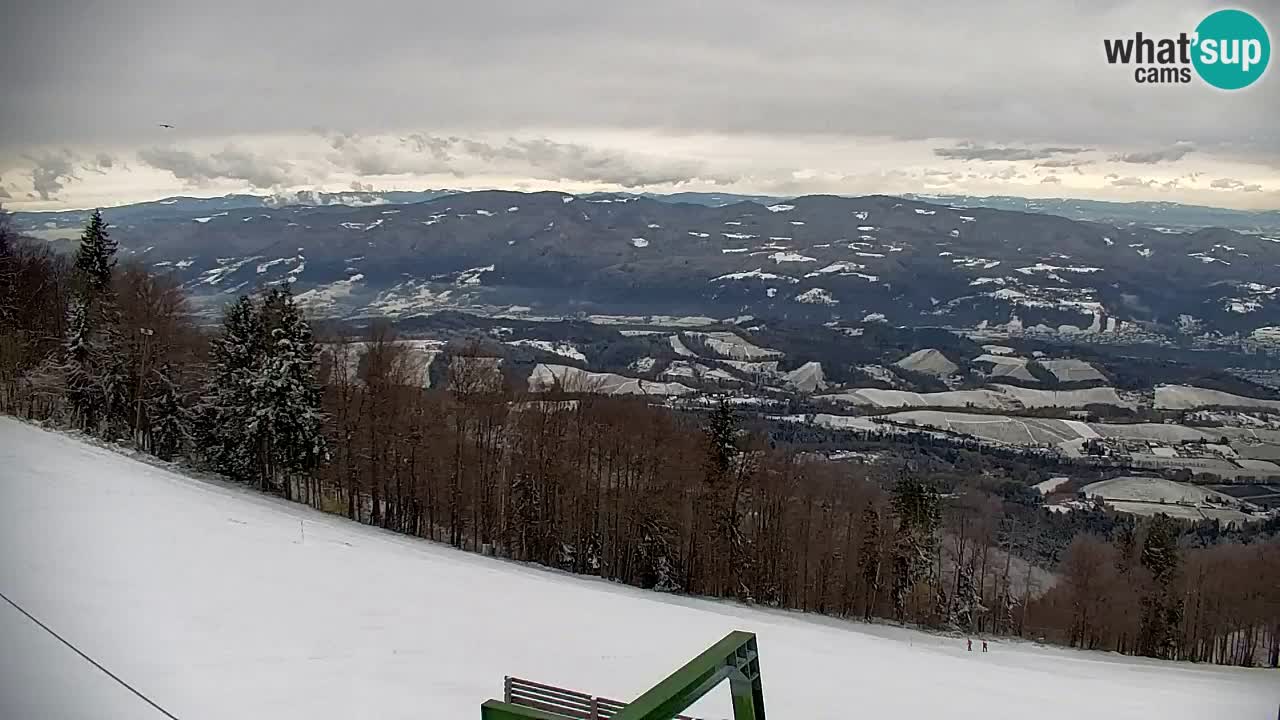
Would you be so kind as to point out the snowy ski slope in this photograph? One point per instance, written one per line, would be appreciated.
(220, 603)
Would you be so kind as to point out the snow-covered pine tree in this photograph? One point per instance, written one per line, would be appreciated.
(95, 375)
(917, 510)
(95, 259)
(967, 605)
(225, 416)
(1161, 609)
(287, 395)
(169, 421)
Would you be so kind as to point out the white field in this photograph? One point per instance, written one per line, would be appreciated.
(1185, 397)
(1007, 366)
(928, 361)
(571, 379)
(732, 347)
(212, 601)
(1071, 370)
(1156, 490)
(996, 397)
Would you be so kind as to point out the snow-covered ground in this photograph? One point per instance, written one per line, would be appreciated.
(221, 603)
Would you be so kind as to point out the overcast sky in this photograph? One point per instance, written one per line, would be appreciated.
(804, 96)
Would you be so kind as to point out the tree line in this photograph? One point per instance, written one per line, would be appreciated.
(694, 502)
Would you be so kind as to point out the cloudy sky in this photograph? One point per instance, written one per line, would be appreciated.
(805, 96)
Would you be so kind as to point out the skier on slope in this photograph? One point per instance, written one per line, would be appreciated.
(970, 641)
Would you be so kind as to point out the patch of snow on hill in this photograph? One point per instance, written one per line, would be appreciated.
(757, 274)
(781, 207)
(1043, 267)
(639, 242)
(226, 266)
(928, 361)
(1070, 370)
(327, 298)
(558, 348)
(781, 257)
(842, 268)
(817, 296)
(807, 378)
(472, 276)
(1185, 397)
(732, 347)
(571, 379)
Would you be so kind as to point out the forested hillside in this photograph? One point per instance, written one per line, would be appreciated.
(680, 501)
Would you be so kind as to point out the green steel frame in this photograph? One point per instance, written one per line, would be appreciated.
(735, 658)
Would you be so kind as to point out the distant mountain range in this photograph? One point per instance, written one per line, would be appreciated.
(940, 262)
(1150, 214)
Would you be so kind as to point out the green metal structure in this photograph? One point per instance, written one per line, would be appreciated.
(735, 658)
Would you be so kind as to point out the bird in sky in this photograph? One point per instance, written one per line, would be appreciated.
(165, 125)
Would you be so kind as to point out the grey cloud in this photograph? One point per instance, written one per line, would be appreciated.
(369, 157)
(101, 163)
(1131, 181)
(1010, 172)
(1234, 184)
(1151, 157)
(986, 153)
(665, 65)
(1064, 163)
(230, 163)
(4, 194)
(572, 161)
(438, 147)
(51, 171)
(540, 158)
(1051, 180)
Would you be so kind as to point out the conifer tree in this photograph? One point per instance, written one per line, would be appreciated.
(917, 510)
(286, 396)
(96, 379)
(168, 415)
(1161, 610)
(227, 432)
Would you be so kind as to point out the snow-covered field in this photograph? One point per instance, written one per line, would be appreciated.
(1156, 490)
(1183, 397)
(996, 397)
(220, 603)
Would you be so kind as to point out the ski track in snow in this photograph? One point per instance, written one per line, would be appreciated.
(209, 598)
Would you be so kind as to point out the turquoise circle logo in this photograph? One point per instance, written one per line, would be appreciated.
(1231, 49)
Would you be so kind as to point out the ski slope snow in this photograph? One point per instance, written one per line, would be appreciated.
(218, 602)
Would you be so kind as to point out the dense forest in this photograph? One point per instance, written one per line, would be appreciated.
(701, 503)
